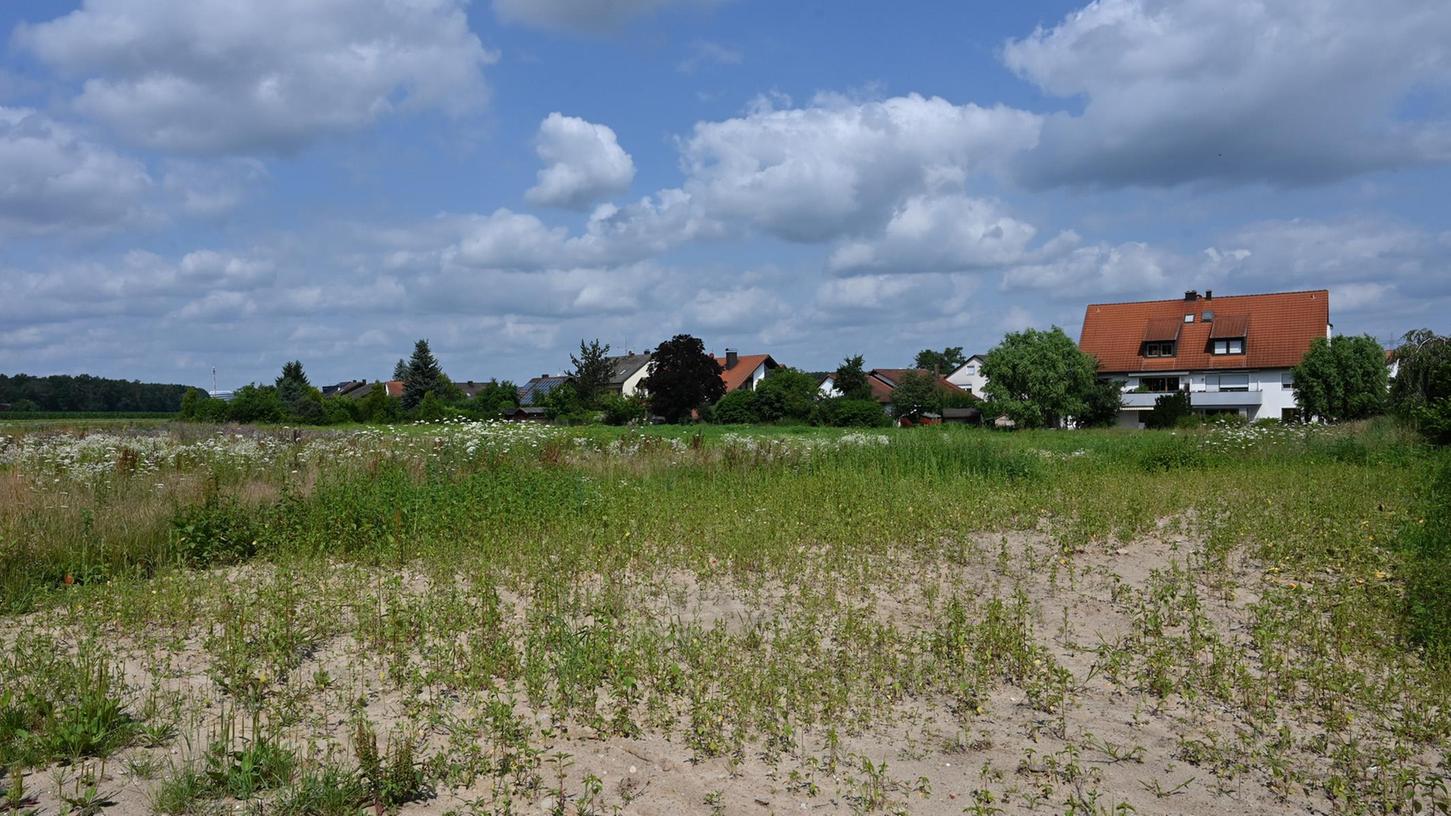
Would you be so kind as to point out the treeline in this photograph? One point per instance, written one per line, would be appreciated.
(428, 394)
(62, 392)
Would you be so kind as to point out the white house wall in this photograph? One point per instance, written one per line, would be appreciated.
(1272, 388)
(631, 385)
(968, 377)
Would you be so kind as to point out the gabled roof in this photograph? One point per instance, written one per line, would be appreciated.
(740, 373)
(1277, 330)
(470, 388)
(342, 388)
(625, 367)
(884, 380)
(975, 358)
(535, 389)
(393, 388)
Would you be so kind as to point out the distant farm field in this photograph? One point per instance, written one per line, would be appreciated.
(511, 618)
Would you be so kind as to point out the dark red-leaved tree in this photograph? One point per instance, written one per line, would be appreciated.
(682, 378)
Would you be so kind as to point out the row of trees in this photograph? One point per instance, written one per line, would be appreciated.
(1345, 378)
(23, 392)
(428, 393)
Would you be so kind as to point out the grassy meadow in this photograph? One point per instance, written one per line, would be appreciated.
(507, 618)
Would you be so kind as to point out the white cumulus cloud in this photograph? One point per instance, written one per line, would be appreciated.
(1280, 91)
(263, 76)
(584, 163)
(51, 179)
(839, 167)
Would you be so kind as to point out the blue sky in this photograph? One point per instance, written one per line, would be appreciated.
(189, 184)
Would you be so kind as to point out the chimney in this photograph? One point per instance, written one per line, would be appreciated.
(1191, 295)
(731, 359)
(1209, 294)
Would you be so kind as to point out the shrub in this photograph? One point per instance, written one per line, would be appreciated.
(786, 393)
(215, 532)
(618, 409)
(431, 408)
(1168, 410)
(845, 412)
(736, 408)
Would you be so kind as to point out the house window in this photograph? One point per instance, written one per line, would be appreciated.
(1231, 382)
(1188, 318)
(1159, 384)
(1287, 378)
(1165, 349)
(1229, 346)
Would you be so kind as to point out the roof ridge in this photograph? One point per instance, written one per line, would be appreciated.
(1210, 300)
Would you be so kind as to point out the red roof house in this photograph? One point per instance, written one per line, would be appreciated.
(1232, 354)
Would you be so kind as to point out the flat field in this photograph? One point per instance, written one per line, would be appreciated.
(494, 618)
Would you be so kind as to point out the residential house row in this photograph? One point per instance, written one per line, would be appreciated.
(1232, 354)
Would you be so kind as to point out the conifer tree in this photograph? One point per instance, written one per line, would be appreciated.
(424, 376)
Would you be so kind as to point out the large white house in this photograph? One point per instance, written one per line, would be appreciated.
(968, 376)
(1232, 354)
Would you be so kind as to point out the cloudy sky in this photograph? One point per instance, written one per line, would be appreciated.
(195, 183)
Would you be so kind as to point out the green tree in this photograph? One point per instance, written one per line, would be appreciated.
(300, 400)
(1341, 379)
(424, 376)
(1421, 391)
(682, 378)
(618, 409)
(850, 379)
(496, 399)
(942, 362)
(786, 393)
(917, 392)
(739, 407)
(562, 404)
(1041, 379)
(377, 406)
(400, 370)
(256, 403)
(592, 372)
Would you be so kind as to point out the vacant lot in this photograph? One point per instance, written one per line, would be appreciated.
(490, 618)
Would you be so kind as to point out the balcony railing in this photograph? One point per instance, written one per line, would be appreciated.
(1197, 399)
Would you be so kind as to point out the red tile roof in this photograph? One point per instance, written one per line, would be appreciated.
(884, 380)
(740, 373)
(1277, 330)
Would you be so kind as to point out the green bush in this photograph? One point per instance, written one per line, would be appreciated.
(736, 408)
(845, 412)
(215, 532)
(618, 409)
(1168, 410)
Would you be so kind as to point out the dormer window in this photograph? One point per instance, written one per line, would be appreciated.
(1228, 334)
(1161, 337)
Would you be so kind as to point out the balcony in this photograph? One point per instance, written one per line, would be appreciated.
(1144, 400)
(1225, 399)
(1140, 400)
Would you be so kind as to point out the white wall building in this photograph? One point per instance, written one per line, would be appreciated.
(968, 376)
(1232, 354)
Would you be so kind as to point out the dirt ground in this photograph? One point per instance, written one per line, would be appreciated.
(1113, 749)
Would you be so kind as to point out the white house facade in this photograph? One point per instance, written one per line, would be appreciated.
(968, 376)
(1231, 354)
